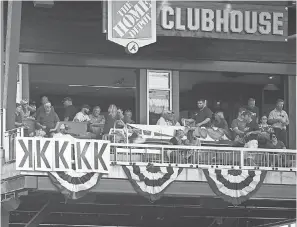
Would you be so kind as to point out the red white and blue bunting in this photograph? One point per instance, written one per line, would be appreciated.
(234, 186)
(74, 185)
(151, 181)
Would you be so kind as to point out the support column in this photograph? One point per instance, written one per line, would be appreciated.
(2, 56)
(141, 97)
(24, 70)
(291, 103)
(4, 217)
(8, 205)
(175, 93)
(11, 60)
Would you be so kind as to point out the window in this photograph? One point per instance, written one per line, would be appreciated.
(159, 94)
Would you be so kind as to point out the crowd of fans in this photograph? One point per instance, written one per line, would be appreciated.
(269, 131)
(46, 120)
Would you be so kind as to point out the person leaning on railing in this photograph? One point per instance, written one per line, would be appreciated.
(48, 120)
(168, 119)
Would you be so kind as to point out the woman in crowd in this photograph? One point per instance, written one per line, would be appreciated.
(96, 121)
(219, 121)
(113, 116)
(274, 143)
(27, 109)
(264, 127)
(128, 117)
(168, 119)
(221, 124)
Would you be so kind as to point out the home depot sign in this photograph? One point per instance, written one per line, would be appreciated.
(138, 22)
(57, 154)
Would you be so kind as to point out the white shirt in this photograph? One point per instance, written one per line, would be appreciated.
(275, 114)
(162, 121)
(80, 117)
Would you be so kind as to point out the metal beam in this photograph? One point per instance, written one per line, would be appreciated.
(133, 61)
(228, 222)
(11, 60)
(39, 217)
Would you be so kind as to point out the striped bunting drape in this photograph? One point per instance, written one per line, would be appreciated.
(151, 181)
(234, 186)
(74, 185)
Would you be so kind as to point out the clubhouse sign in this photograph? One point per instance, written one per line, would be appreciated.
(57, 154)
(136, 24)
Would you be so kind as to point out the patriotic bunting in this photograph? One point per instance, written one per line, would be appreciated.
(151, 181)
(234, 186)
(72, 184)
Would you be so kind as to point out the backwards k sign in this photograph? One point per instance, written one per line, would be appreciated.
(57, 154)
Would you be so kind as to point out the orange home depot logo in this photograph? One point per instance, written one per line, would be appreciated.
(132, 24)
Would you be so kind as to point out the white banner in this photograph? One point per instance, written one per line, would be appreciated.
(57, 154)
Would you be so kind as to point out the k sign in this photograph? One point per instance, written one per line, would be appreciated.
(132, 24)
(57, 154)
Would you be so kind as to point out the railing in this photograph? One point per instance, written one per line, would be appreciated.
(9, 143)
(185, 156)
(203, 157)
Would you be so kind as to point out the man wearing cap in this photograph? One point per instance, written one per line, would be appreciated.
(41, 109)
(47, 120)
(70, 110)
(83, 115)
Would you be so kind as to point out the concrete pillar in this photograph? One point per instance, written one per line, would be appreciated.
(175, 93)
(2, 56)
(291, 107)
(4, 217)
(24, 69)
(141, 97)
(11, 60)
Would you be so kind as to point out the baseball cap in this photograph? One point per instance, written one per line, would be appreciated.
(86, 106)
(66, 99)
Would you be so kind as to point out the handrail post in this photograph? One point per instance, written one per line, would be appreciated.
(241, 159)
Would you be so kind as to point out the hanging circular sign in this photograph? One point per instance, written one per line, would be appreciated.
(132, 48)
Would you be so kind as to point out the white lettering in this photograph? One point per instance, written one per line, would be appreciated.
(145, 5)
(250, 19)
(193, 20)
(277, 23)
(264, 23)
(178, 24)
(128, 21)
(207, 23)
(222, 21)
(236, 21)
(165, 23)
(121, 29)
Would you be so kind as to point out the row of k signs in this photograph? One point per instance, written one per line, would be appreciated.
(56, 154)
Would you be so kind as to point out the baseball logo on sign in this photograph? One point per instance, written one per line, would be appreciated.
(132, 48)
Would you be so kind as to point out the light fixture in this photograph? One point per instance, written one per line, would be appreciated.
(270, 87)
(270, 77)
(43, 4)
(97, 86)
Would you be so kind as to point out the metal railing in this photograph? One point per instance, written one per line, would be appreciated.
(185, 156)
(9, 143)
(203, 157)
